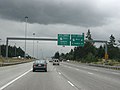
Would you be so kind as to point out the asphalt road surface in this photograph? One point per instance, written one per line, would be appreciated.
(67, 76)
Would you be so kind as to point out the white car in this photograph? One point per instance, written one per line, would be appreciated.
(56, 62)
(68, 60)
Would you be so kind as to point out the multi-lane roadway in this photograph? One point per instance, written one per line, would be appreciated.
(67, 76)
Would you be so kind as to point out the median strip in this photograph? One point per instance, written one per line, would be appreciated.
(105, 66)
(13, 63)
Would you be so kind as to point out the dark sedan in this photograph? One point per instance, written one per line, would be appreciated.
(40, 65)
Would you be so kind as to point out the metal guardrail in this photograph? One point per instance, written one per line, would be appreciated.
(105, 66)
(100, 65)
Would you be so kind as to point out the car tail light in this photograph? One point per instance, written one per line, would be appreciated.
(34, 65)
(45, 65)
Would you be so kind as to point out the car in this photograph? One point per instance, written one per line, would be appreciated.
(68, 60)
(50, 60)
(56, 62)
(40, 65)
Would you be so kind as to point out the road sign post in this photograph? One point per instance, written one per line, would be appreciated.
(106, 56)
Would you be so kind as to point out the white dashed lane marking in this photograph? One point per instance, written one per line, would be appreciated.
(90, 73)
(71, 83)
(59, 73)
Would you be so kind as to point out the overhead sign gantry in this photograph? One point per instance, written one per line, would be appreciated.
(74, 41)
(71, 39)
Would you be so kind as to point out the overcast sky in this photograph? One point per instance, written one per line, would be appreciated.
(47, 18)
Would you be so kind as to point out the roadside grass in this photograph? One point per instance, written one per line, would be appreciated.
(108, 62)
(13, 60)
(1, 60)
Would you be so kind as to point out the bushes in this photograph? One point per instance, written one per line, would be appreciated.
(90, 58)
(112, 62)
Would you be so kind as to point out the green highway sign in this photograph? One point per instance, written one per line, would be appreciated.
(64, 39)
(73, 39)
(77, 40)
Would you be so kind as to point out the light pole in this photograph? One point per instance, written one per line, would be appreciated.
(26, 19)
(41, 53)
(37, 49)
(0, 47)
(33, 45)
(15, 49)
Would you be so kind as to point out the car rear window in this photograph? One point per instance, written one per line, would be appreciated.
(40, 61)
(55, 60)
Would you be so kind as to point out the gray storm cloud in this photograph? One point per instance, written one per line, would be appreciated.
(74, 12)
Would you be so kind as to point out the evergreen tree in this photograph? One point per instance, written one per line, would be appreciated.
(11, 51)
(57, 55)
(113, 51)
(112, 41)
(88, 35)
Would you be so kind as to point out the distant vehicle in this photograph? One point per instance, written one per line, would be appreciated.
(56, 62)
(40, 65)
(50, 60)
(68, 60)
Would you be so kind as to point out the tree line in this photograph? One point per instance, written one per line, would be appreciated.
(13, 51)
(91, 53)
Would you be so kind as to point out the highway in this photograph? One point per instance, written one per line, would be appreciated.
(66, 76)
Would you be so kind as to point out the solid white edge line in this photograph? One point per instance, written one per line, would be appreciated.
(14, 80)
(71, 83)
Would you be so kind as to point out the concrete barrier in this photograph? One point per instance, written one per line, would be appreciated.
(105, 66)
(8, 64)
